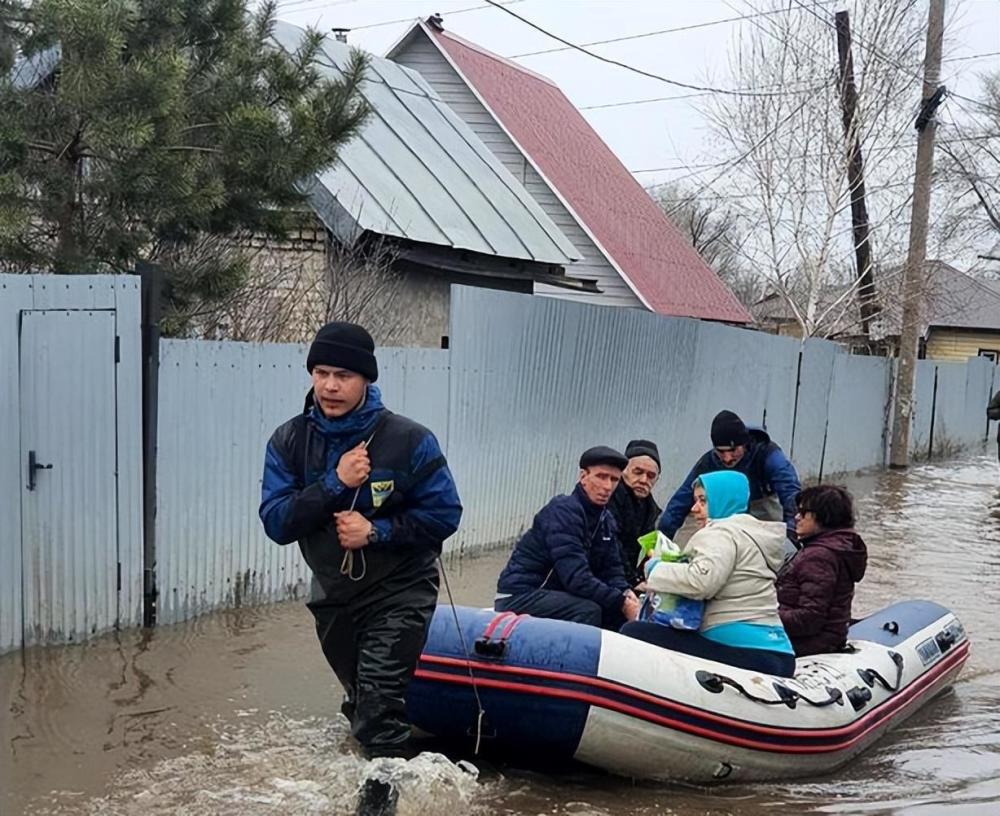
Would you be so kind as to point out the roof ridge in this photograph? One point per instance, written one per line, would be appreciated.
(491, 55)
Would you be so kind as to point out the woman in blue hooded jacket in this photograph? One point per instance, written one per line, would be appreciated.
(732, 563)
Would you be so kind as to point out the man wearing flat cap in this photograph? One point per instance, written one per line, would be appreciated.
(774, 483)
(632, 504)
(369, 498)
(567, 565)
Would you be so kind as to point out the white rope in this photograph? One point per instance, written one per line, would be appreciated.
(347, 564)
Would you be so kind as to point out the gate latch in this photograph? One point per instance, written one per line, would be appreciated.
(34, 467)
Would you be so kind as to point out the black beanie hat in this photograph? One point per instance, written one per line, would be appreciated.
(602, 455)
(344, 345)
(728, 430)
(643, 447)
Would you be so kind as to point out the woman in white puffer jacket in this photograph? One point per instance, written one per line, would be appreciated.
(732, 563)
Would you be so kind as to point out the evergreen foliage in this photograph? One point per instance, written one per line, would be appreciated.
(159, 123)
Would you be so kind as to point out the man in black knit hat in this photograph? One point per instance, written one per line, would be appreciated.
(750, 451)
(369, 498)
(567, 565)
(633, 506)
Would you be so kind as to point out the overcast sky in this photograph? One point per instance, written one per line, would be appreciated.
(662, 134)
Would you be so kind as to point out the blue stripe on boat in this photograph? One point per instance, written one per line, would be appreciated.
(546, 726)
(908, 617)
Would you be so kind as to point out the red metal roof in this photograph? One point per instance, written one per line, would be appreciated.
(662, 268)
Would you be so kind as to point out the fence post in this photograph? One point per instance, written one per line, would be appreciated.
(930, 440)
(151, 277)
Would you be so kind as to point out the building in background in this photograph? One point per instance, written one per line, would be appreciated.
(961, 316)
(415, 203)
(636, 256)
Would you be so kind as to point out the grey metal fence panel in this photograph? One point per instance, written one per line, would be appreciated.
(859, 394)
(15, 294)
(219, 404)
(69, 532)
(535, 381)
(815, 383)
(962, 395)
(41, 294)
(747, 372)
(128, 318)
(923, 407)
(979, 389)
(414, 382)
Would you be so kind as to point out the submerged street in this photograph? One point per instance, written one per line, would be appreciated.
(236, 712)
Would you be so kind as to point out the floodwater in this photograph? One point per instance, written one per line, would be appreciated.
(234, 712)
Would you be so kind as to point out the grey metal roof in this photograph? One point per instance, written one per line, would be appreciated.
(418, 172)
(29, 71)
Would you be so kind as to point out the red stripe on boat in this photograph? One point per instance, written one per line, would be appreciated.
(881, 712)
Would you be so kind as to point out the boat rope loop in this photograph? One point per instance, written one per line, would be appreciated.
(347, 564)
(480, 711)
(870, 676)
(715, 683)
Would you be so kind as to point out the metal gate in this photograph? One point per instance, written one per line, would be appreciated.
(69, 505)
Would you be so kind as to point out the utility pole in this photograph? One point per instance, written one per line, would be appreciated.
(855, 172)
(913, 281)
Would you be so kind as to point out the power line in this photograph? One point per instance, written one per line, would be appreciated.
(627, 67)
(625, 103)
(740, 196)
(691, 27)
(889, 60)
(876, 149)
(681, 97)
(289, 4)
(409, 19)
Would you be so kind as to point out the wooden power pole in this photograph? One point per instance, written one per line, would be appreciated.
(855, 172)
(914, 275)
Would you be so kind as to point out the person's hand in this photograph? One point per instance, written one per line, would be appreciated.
(354, 467)
(630, 606)
(639, 588)
(352, 529)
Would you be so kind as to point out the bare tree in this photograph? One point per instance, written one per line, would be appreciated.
(364, 284)
(718, 235)
(292, 287)
(789, 178)
(970, 174)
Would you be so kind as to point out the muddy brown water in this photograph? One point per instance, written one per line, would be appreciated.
(234, 712)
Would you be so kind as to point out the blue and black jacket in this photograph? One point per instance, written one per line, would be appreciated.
(410, 496)
(572, 546)
(766, 468)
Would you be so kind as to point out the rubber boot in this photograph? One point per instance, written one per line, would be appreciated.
(377, 798)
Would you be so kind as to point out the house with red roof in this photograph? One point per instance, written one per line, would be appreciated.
(637, 258)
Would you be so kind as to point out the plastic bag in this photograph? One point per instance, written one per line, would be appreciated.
(664, 608)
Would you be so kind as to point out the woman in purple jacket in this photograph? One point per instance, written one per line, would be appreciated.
(816, 589)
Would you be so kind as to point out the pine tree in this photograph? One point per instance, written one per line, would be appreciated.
(157, 123)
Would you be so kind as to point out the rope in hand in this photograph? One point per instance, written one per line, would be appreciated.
(347, 564)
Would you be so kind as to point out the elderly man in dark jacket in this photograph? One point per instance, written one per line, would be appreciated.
(751, 452)
(369, 497)
(567, 566)
(632, 504)
(816, 589)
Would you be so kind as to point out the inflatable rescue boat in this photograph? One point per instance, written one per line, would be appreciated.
(560, 690)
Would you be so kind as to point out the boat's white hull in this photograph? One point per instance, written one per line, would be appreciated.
(554, 689)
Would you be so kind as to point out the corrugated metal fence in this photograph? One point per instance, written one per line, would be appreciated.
(219, 403)
(70, 404)
(526, 385)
